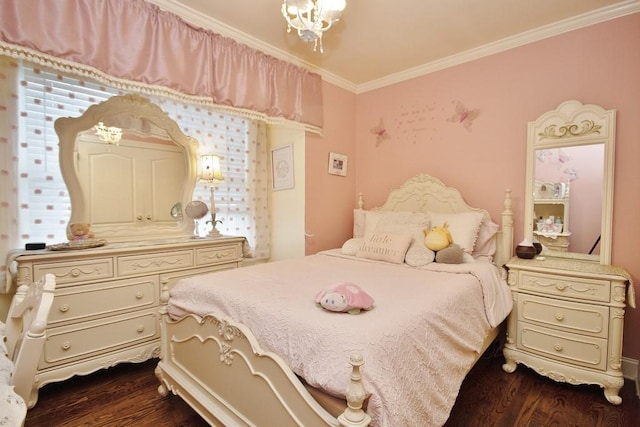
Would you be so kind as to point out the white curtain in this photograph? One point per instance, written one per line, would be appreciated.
(8, 161)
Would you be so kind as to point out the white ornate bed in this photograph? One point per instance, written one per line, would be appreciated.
(233, 374)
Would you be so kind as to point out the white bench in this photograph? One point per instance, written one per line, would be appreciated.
(21, 341)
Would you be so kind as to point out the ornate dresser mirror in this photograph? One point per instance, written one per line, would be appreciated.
(569, 186)
(129, 170)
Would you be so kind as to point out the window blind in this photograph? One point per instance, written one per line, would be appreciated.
(44, 203)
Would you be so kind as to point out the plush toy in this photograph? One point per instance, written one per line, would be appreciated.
(438, 238)
(345, 297)
(80, 231)
(452, 254)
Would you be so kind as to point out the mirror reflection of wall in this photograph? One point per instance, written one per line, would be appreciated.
(582, 167)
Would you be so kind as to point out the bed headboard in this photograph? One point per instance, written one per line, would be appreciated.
(424, 193)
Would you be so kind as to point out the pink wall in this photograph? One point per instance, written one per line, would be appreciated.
(599, 64)
(330, 198)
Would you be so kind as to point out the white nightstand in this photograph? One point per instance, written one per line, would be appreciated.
(567, 321)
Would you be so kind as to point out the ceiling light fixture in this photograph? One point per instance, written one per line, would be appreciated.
(312, 17)
(108, 134)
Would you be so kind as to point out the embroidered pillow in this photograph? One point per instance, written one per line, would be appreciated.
(388, 247)
(413, 223)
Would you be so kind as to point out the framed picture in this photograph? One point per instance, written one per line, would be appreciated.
(337, 164)
(282, 167)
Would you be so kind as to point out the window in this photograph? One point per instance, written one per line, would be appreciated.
(44, 206)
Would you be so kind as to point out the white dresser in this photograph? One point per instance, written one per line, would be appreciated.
(567, 321)
(106, 304)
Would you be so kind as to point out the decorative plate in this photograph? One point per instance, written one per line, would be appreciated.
(77, 244)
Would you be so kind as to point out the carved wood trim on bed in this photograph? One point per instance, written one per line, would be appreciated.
(218, 367)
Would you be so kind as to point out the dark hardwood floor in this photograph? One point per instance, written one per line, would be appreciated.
(126, 396)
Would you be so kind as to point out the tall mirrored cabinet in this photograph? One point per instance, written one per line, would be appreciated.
(569, 301)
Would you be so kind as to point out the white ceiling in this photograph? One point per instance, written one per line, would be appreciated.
(379, 42)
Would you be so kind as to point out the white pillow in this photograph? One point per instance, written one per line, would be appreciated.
(351, 246)
(389, 247)
(395, 221)
(463, 227)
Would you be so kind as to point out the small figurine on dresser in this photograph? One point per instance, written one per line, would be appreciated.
(79, 231)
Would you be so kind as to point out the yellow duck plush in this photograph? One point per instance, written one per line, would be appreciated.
(438, 237)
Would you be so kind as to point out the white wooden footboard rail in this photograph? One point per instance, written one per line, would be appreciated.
(219, 369)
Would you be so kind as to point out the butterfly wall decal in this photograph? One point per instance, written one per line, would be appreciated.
(380, 132)
(464, 115)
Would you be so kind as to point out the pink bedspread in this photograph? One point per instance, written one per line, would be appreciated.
(418, 342)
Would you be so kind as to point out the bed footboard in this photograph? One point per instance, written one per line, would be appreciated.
(219, 369)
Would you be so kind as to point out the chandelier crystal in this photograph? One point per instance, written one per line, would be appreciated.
(108, 134)
(312, 17)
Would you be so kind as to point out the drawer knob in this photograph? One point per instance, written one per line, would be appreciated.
(75, 272)
(140, 329)
(139, 295)
(66, 345)
(139, 217)
(558, 347)
(561, 287)
(559, 316)
(148, 217)
(64, 308)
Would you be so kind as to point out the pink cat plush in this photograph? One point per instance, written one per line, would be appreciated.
(345, 297)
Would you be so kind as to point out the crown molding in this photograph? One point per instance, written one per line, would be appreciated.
(590, 18)
(537, 34)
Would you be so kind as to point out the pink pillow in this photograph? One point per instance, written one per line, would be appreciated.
(486, 242)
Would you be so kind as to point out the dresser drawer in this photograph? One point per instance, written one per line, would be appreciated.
(81, 341)
(156, 262)
(573, 349)
(569, 316)
(76, 271)
(572, 287)
(217, 255)
(104, 299)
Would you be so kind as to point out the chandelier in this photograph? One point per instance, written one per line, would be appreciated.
(312, 17)
(108, 134)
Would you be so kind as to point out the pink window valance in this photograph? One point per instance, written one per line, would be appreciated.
(135, 40)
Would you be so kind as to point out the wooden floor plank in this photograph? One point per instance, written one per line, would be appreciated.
(126, 395)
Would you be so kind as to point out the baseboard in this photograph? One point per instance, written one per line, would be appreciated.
(630, 372)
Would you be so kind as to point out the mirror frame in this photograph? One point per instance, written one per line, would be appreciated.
(139, 107)
(573, 124)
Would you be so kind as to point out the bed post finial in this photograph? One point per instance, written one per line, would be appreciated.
(354, 415)
(507, 229)
(360, 201)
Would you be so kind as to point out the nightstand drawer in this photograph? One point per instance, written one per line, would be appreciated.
(89, 339)
(571, 287)
(156, 262)
(569, 316)
(104, 299)
(573, 349)
(218, 255)
(76, 271)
